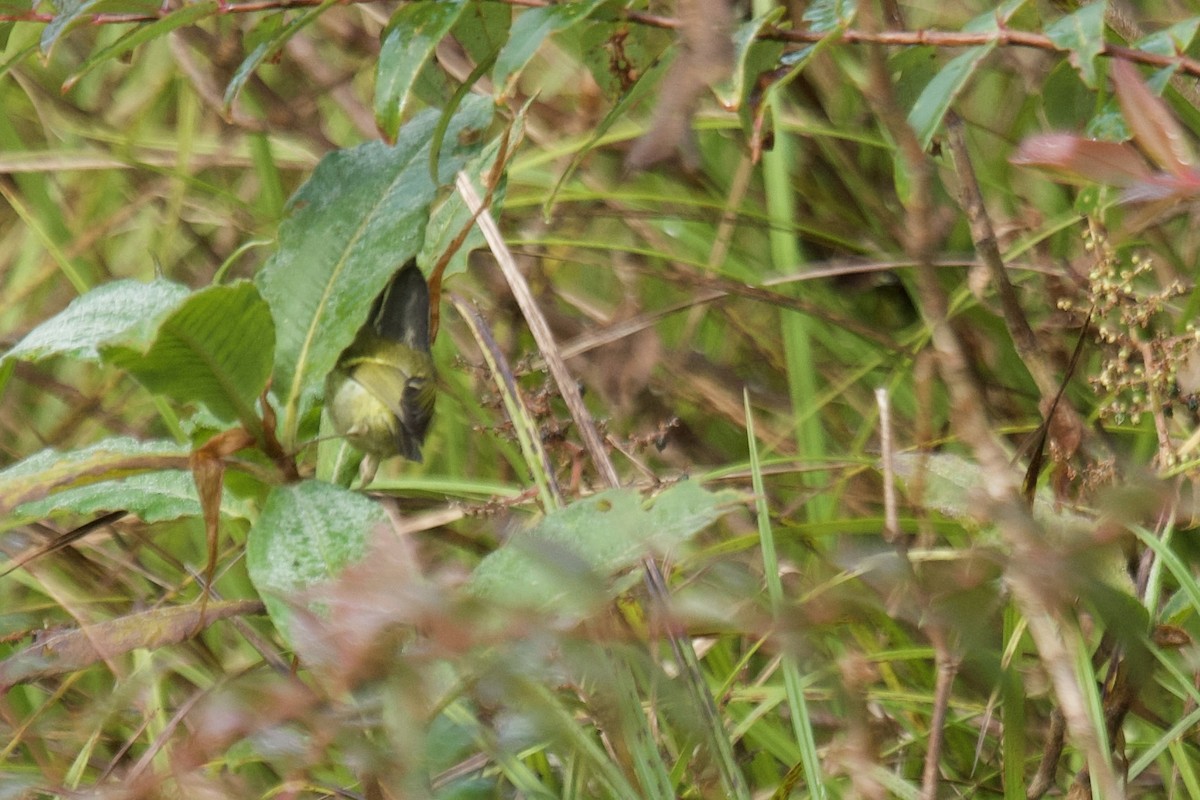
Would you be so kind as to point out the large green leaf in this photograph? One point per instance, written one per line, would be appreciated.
(215, 349)
(307, 532)
(49, 472)
(150, 496)
(408, 44)
(359, 217)
(483, 29)
(564, 561)
(125, 311)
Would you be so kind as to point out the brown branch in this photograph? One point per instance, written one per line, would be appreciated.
(895, 38)
(1032, 353)
(1043, 779)
(947, 669)
(652, 20)
(988, 250)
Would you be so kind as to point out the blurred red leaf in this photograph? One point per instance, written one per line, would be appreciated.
(1150, 121)
(1162, 186)
(1155, 133)
(1090, 160)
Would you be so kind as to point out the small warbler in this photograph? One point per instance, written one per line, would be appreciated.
(381, 393)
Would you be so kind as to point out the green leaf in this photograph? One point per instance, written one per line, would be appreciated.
(268, 48)
(931, 106)
(150, 496)
(52, 471)
(483, 29)
(125, 311)
(565, 560)
(408, 44)
(826, 16)
(451, 215)
(69, 12)
(306, 534)
(263, 31)
(1170, 41)
(359, 217)
(189, 14)
(529, 31)
(733, 90)
(215, 349)
(1082, 33)
(615, 52)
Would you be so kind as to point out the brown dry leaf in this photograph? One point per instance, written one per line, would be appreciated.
(208, 471)
(76, 649)
(1170, 637)
(1065, 430)
(1064, 435)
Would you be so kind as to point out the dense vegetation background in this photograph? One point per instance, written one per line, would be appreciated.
(792, 440)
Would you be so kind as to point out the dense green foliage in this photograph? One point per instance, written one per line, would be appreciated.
(791, 439)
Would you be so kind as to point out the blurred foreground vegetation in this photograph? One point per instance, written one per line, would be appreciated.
(794, 442)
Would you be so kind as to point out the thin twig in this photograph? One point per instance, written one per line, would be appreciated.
(891, 518)
(1043, 779)
(947, 668)
(988, 250)
(541, 332)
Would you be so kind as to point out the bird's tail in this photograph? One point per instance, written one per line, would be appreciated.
(401, 312)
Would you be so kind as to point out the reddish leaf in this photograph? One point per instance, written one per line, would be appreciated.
(1089, 160)
(1161, 186)
(1151, 122)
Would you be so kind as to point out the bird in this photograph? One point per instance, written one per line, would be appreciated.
(381, 393)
